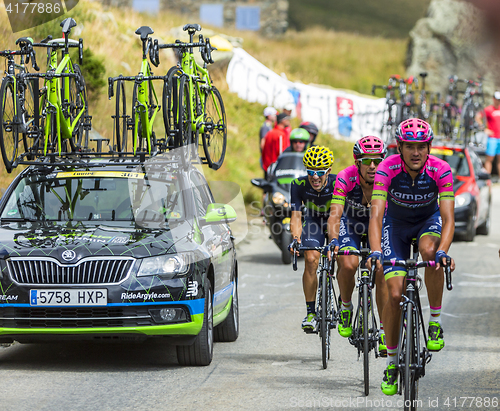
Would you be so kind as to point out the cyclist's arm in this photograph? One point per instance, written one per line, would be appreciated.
(333, 223)
(296, 225)
(375, 227)
(446, 208)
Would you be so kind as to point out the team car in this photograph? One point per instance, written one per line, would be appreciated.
(110, 249)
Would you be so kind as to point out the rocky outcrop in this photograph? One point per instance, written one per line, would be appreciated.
(452, 40)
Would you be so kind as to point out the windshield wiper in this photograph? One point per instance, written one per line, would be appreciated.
(17, 219)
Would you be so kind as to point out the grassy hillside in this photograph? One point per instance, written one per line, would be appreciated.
(387, 18)
(313, 56)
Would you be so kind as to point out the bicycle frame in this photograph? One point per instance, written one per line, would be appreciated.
(54, 103)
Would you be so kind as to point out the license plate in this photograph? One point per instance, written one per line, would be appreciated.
(87, 297)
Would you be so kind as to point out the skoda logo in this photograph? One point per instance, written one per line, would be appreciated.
(68, 255)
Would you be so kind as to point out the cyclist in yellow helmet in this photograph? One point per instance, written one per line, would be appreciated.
(311, 195)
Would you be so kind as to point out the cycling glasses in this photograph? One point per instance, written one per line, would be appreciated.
(417, 136)
(368, 161)
(319, 173)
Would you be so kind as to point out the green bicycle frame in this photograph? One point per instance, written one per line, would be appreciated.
(198, 75)
(142, 107)
(64, 126)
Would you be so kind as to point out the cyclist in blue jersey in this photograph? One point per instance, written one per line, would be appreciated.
(312, 194)
(418, 191)
(348, 221)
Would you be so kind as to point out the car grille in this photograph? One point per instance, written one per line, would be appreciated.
(50, 271)
(78, 317)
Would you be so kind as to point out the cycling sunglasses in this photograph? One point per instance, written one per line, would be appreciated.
(418, 136)
(368, 161)
(319, 173)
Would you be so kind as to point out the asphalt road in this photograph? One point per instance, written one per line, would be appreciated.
(273, 365)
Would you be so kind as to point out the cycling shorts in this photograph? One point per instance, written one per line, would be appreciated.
(397, 237)
(314, 231)
(350, 232)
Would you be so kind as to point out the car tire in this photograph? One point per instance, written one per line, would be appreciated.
(286, 239)
(229, 329)
(201, 351)
(484, 228)
(470, 232)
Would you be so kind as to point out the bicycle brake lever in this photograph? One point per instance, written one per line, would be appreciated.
(110, 88)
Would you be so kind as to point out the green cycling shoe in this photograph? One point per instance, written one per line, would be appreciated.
(345, 329)
(390, 383)
(435, 341)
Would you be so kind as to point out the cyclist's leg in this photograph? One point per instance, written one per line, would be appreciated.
(348, 265)
(312, 236)
(428, 243)
(396, 240)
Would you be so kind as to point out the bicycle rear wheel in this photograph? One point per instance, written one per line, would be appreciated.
(122, 143)
(215, 132)
(366, 338)
(8, 123)
(76, 104)
(27, 110)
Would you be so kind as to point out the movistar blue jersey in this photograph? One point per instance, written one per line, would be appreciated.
(316, 203)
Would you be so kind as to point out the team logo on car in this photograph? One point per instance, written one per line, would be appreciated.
(68, 255)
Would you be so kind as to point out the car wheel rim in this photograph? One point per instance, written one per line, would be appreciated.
(235, 305)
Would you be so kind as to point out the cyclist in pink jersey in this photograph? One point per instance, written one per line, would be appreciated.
(410, 184)
(348, 221)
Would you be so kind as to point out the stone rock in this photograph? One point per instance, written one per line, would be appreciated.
(451, 40)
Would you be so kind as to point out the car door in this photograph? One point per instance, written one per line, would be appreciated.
(484, 188)
(217, 239)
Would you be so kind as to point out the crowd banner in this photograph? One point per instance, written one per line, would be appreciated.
(344, 114)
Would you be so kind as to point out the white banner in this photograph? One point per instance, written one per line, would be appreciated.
(344, 114)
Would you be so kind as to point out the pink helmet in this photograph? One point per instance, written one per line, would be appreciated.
(369, 145)
(414, 130)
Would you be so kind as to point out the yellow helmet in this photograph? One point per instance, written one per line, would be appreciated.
(318, 157)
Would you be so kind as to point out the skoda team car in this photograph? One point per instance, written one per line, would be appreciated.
(105, 250)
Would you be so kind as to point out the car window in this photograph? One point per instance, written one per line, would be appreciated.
(201, 193)
(456, 159)
(476, 162)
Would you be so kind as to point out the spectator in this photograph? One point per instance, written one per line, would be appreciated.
(287, 109)
(276, 141)
(270, 115)
(493, 130)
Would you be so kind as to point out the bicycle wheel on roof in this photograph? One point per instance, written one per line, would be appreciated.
(215, 129)
(8, 128)
(120, 120)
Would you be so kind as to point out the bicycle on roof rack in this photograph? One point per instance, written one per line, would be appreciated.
(390, 111)
(64, 119)
(19, 102)
(145, 104)
(192, 105)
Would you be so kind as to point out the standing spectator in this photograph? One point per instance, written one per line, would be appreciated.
(276, 141)
(493, 130)
(312, 130)
(270, 115)
(288, 111)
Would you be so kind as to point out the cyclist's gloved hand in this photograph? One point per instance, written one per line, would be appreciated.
(439, 257)
(293, 246)
(331, 246)
(376, 255)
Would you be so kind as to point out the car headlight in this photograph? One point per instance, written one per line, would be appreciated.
(167, 266)
(463, 200)
(278, 198)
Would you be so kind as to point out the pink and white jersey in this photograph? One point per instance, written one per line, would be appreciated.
(408, 199)
(349, 193)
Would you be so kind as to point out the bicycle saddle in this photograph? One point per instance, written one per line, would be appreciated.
(144, 32)
(192, 27)
(67, 25)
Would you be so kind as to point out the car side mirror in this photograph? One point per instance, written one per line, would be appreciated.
(483, 175)
(218, 214)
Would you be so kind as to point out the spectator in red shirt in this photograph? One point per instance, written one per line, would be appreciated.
(276, 141)
(493, 130)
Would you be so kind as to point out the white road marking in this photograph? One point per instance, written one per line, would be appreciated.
(482, 275)
(279, 285)
(478, 284)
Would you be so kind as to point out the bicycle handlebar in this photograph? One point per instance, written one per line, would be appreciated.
(420, 264)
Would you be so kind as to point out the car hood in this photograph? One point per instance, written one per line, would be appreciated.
(51, 239)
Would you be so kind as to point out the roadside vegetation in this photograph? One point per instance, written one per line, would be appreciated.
(319, 56)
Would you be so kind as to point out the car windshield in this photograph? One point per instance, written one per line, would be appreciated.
(95, 196)
(456, 159)
(290, 165)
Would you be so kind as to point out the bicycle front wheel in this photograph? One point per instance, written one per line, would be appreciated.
(215, 129)
(8, 129)
(366, 338)
(325, 312)
(122, 144)
(77, 109)
(410, 379)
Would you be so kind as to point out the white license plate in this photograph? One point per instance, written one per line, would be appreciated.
(87, 297)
